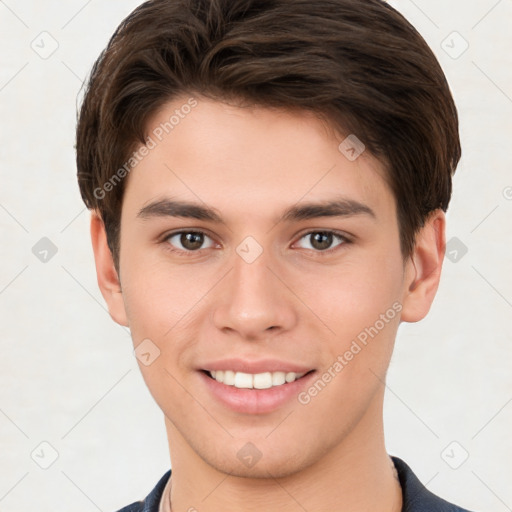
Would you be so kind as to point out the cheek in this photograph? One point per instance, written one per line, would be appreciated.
(148, 304)
(157, 295)
(167, 305)
(361, 304)
(159, 302)
(365, 319)
(354, 296)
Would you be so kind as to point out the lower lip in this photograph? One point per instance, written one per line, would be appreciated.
(256, 401)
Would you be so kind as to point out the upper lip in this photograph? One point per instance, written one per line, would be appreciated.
(256, 366)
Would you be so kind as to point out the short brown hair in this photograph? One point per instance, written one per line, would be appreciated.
(360, 64)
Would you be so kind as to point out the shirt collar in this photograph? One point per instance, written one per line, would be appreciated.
(415, 496)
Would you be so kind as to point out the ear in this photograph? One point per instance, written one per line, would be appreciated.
(108, 280)
(423, 269)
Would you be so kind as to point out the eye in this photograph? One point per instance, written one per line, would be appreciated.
(188, 241)
(321, 241)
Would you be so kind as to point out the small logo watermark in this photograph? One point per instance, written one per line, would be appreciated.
(147, 352)
(249, 249)
(249, 455)
(44, 250)
(454, 45)
(455, 455)
(455, 249)
(352, 147)
(44, 455)
(45, 45)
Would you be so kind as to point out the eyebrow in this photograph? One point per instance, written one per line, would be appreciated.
(338, 207)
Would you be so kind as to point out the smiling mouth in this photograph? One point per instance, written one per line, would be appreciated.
(265, 380)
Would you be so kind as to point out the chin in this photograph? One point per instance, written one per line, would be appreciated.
(264, 466)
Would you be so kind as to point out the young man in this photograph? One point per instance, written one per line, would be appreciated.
(268, 181)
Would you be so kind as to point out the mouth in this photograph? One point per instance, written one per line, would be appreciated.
(255, 393)
(264, 380)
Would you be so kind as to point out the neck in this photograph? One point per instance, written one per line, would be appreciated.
(356, 475)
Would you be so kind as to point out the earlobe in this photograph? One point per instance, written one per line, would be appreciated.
(108, 279)
(423, 270)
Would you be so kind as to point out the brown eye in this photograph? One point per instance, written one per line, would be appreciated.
(188, 240)
(322, 240)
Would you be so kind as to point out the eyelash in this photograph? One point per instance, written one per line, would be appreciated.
(188, 253)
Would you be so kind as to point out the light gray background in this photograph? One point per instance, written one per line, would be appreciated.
(68, 373)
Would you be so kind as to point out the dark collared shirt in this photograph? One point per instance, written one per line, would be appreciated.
(416, 497)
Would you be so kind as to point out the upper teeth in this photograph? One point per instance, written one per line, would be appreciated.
(255, 381)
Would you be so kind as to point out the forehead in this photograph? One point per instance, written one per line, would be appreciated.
(253, 159)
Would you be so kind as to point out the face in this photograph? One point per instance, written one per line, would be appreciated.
(253, 250)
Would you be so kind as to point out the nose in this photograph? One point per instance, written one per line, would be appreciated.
(254, 300)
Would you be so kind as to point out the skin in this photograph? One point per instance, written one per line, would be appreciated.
(250, 164)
